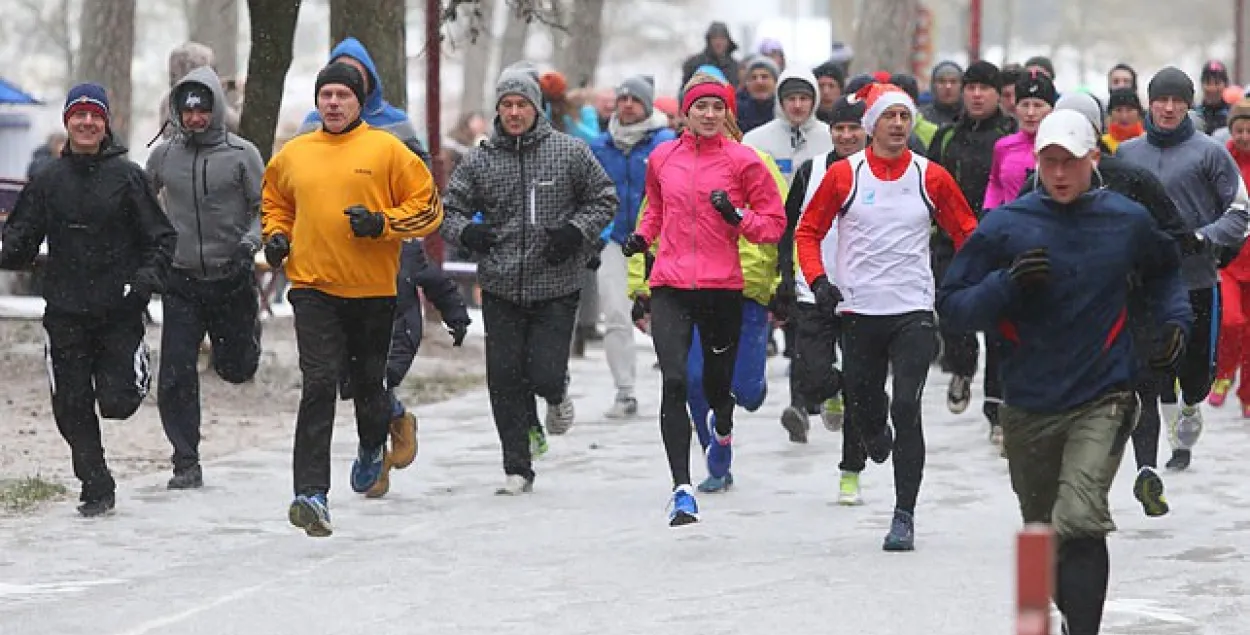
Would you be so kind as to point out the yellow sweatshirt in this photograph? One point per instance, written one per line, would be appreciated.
(316, 177)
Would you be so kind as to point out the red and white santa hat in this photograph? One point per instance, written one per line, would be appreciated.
(879, 97)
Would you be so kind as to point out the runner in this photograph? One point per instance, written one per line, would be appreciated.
(815, 382)
(883, 287)
(210, 182)
(1070, 406)
(1234, 345)
(796, 135)
(109, 249)
(1204, 182)
(544, 201)
(697, 278)
(337, 203)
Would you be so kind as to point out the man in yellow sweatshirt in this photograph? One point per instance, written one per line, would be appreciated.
(337, 202)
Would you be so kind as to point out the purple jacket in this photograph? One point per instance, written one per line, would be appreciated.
(1013, 158)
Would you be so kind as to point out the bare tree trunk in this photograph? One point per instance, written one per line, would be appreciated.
(477, 61)
(516, 33)
(383, 31)
(216, 24)
(1009, 29)
(273, 37)
(883, 39)
(579, 57)
(842, 17)
(107, 42)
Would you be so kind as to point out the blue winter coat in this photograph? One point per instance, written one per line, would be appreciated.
(629, 173)
(1064, 344)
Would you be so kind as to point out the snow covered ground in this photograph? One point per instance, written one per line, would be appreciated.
(590, 551)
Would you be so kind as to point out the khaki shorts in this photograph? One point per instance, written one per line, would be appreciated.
(1062, 465)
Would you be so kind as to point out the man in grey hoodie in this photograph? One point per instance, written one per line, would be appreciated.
(210, 182)
(1204, 182)
(544, 201)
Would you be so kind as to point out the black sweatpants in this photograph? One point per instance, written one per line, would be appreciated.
(872, 345)
(1149, 423)
(993, 383)
(331, 331)
(94, 360)
(527, 355)
(229, 311)
(674, 314)
(1196, 371)
(813, 376)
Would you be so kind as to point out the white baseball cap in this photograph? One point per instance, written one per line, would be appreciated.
(1067, 129)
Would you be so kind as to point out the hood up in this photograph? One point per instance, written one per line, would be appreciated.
(216, 131)
(375, 111)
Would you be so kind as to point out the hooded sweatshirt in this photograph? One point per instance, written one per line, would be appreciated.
(727, 64)
(210, 182)
(789, 145)
(376, 111)
(1013, 158)
(182, 60)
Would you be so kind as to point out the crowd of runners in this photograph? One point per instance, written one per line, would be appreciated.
(1094, 249)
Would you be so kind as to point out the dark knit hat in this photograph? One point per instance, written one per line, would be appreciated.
(1044, 62)
(1036, 85)
(193, 96)
(857, 82)
(1011, 73)
(1171, 82)
(1124, 67)
(844, 111)
(832, 70)
(1214, 70)
(795, 86)
(983, 72)
(766, 63)
(1124, 97)
(340, 73)
(92, 97)
(908, 84)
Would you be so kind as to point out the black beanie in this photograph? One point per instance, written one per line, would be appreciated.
(1036, 85)
(340, 73)
(1124, 67)
(1171, 82)
(1124, 97)
(857, 82)
(1214, 70)
(193, 96)
(983, 72)
(908, 84)
(832, 71)
(1044, 62)
(846, 112)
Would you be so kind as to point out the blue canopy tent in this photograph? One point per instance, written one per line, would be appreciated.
(10, 94)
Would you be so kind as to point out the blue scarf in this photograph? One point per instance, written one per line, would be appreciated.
(1168, 138)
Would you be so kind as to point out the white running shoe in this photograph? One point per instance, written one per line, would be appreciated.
(560, 416)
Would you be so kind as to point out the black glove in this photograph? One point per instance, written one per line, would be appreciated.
(720, 200)
(641, 308)
(783, 300)
(1031, 269)
(457, 331)
(595, 260)
(1169, 349)
(277, 248)
(562, 243)
(479, 238)
(635, 244)
(828, 296)
(136, 296)
(365, 224)
(1191, 243)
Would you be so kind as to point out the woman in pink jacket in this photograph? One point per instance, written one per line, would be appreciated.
(704, 190)
(1013, 154)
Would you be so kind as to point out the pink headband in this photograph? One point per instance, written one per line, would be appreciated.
(709, 89)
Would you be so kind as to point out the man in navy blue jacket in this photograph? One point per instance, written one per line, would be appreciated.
(1050, 273)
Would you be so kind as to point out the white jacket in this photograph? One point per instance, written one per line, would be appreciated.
(790, 146)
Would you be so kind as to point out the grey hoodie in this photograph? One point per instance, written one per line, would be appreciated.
(1204, 182)
(788, 145)
(210, 183)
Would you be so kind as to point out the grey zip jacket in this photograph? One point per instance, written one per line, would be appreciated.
(524, 186)
(210, 183)
(1203, 180)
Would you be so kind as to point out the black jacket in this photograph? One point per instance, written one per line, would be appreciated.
(104, 229)
(415, 271)
(966, 149)
(794, 209)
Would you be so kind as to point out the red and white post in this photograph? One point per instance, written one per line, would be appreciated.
(1035, 579)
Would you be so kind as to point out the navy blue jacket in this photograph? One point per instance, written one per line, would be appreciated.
(415, 271)
(1065, 344)
(629, 173)
(753, 113)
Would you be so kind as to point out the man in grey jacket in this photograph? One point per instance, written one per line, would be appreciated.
(544, 200)
(1204, 182)
(210, 182)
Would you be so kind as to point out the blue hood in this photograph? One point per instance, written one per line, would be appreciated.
(377, 112)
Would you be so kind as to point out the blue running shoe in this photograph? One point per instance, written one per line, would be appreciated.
(682, 508)
(367, 468)
(312, 514)
(902, 536)
(712, 485)
(720, 455)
